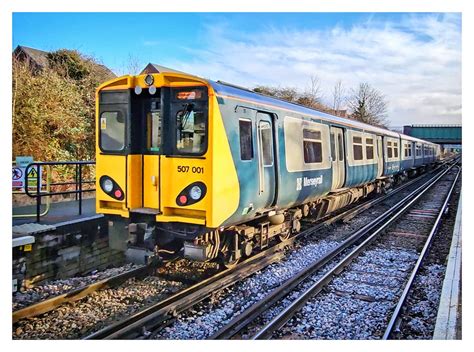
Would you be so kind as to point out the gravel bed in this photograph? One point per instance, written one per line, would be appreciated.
(419, 320)
(186, 270)
(95, 311)
(351, 308)
(209, 316)
(53, 288)
(354, 306)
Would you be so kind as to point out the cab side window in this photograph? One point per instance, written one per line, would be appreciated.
(246, 143)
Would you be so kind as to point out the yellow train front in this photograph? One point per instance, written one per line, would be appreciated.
(156, 141)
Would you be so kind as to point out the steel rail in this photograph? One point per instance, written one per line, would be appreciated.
(76, 294)
(282, 318)
(250, 314)
(426, 247)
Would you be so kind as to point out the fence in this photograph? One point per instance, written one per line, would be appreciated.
(36, 188)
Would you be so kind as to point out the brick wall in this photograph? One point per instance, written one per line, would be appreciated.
(66, 252)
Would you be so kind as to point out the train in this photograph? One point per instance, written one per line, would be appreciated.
(216, 172)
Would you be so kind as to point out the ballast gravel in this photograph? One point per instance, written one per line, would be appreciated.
(209, 317)
(95, 311)
(355, 307)
(53, 288)
(420, 317)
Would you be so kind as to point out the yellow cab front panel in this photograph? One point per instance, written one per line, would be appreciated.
(156, 146)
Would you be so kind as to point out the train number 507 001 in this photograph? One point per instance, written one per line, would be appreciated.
(194, 169)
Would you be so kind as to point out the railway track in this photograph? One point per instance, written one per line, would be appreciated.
(338, 280)
(145, 324)
(141, 324)
(77, 294)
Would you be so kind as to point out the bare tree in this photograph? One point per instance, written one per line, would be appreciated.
(337, 97)
(368, 105)
(132, 66)
(312, 97)
(313, 93)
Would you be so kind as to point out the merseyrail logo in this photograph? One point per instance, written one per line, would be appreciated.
(307, 181)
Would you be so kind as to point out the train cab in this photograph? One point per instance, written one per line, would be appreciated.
(155, 136)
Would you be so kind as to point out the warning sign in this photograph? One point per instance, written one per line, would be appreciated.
(32, 177)
(18, 177)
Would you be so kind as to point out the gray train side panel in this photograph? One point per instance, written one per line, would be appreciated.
(294, 188)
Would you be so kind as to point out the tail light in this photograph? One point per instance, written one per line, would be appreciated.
(109, 186)
(191, 194)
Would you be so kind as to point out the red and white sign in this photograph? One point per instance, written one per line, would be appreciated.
(18, 177)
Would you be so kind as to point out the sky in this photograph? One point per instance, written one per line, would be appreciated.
(414, 59)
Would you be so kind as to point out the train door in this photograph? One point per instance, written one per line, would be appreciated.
(151, 159)
(266, 162)
(337, 156)
(380, 156)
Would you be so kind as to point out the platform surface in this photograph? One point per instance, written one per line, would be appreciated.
(448, 321)
(58, 212)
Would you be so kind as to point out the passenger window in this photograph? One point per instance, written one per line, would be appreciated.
(312, 146)
(395, 150)
(341, 147)
(266, 143)
(407, 150)
(357, 148)
(246, 145)
(389, 150)
(369, 148)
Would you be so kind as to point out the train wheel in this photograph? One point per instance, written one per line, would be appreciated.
(231, 264)
(284, 236)
(227, 262)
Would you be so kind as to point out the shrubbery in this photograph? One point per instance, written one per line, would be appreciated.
(53, 108)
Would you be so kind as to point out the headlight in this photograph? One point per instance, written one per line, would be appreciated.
(107, 185)
(138, 90)
(149, 80)
(152, 90)
(195, 192)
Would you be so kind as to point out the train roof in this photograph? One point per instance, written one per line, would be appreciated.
(226, 89)
(244, 94)
(247, 95)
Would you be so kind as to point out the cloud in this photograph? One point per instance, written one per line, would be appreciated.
(415, 62)
(151, 42)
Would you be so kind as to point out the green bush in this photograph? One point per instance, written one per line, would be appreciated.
(54, 108)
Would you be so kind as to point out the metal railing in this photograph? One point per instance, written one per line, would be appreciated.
(39, 192)
(17, 190)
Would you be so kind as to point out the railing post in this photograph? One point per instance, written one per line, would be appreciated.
(76, 179)
(80, 188)
(38, 192)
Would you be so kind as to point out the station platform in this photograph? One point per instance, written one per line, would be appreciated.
(59, 212)
(448, 322)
